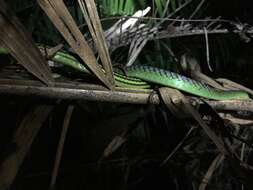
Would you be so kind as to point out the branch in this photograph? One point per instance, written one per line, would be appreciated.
(91, 92)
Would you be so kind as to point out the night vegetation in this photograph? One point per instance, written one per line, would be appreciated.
(66, 126)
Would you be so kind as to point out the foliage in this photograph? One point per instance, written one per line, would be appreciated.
(117, 7)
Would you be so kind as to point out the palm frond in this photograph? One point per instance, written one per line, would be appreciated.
(119, 7)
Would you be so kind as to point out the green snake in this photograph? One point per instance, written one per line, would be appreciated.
(140, 77)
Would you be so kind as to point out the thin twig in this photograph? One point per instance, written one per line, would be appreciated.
(197, 9)
(61, 145)
(242, 158)
(216, 162)
(207, 50)
(178, 146)
(162, 19)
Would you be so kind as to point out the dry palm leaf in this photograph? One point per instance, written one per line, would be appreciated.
(23, 138)
(17, 40)
(63, 21)
(91, 16)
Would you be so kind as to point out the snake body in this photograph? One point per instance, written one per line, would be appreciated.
(180, 82)
(140, 77)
